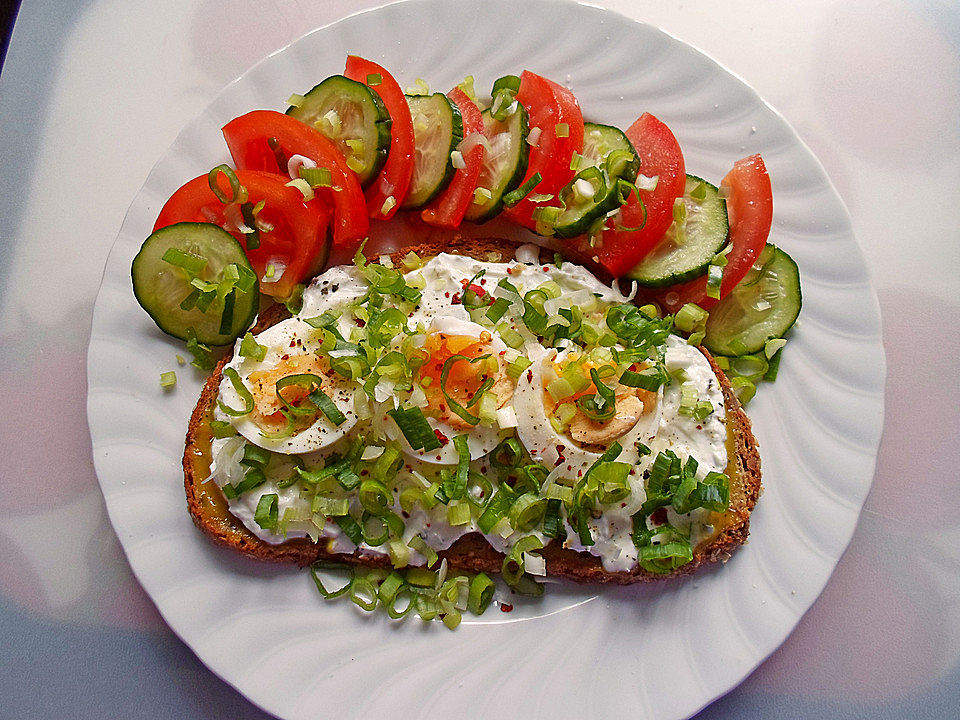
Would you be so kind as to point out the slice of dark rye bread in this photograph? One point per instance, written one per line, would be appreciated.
(471, 552)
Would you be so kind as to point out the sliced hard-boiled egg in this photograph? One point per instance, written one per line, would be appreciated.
(466, 366)
(291, 350)
(573, 449)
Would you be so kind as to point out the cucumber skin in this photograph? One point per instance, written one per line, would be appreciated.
(456, 137)
(383, 124)
(166, 318)
(720, 345)
(519, 173)
(610, 201)
(675, 278)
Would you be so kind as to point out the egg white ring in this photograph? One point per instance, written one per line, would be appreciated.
(322, 433)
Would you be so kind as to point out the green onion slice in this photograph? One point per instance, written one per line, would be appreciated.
(237, 191)
(415, 428)
(250, 348)
(603, 405)
(245, 396)
(480, 594)
(515, 196)
(267, 511)
(330, 594)
(454, 405)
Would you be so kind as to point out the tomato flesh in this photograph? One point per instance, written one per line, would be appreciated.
(294, 245)
(394, 179)
(630, 236)
(447, 209)
(248, 138)
(548, 105)
(750, 215)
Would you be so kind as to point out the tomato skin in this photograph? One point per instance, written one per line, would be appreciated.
(247, 138)
(299, 230)
(447, 209)
(750, 214)
(394, 178)
(660, 155)
(548, 104)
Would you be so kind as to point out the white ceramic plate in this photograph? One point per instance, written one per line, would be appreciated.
(660, 651)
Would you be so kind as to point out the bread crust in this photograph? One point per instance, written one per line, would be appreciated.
(471, 552)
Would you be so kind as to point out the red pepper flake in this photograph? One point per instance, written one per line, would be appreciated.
(360, 323)
(509, 271)
(529, 375)
(483, 281)
(560, 455)
(659, 516)
(456, 299)
(506, 607)
(441, 437)
(293, 343)
(546, 269)
(446, 294)
(285, 358)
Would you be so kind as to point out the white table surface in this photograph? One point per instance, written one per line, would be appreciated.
(92, 93)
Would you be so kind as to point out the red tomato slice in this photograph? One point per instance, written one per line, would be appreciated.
(622, 247)
(548, 105)
(750, 214)
(394, 178)
(448, 209)
(296, 240)
(247, 138)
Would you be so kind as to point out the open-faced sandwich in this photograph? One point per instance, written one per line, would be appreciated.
(466, 405)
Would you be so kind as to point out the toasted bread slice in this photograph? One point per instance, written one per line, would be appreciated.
(208, 507)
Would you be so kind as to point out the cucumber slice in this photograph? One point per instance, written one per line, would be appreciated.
(437, 130)
(690, 243)
(763, 306)
(504, 162)
(354, 117)
(607, 156)
(161, 287)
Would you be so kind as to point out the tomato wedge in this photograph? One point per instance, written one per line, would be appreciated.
(247, 137)
(629, 237)
(295, 245)
(548, 106)
(394, 179)
(750, 214)
(447, 209)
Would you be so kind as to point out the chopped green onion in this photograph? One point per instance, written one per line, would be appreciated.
(168, 379)
(514, 197)
(238, 193)
(374, 497)
(599, 407)
(317, 177)
(562, 129)
(250, 348)
(419, 544)
(458, 514)
(266, 513)
(330, 594)
(415, 428)
(245, 396)
(363, 593)
(190, 262)
(399, 553)
(481, 593)
(690, 318)
(527, 511)
(516, 368)
(350, 527)
(498, 309)
(374, 79)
